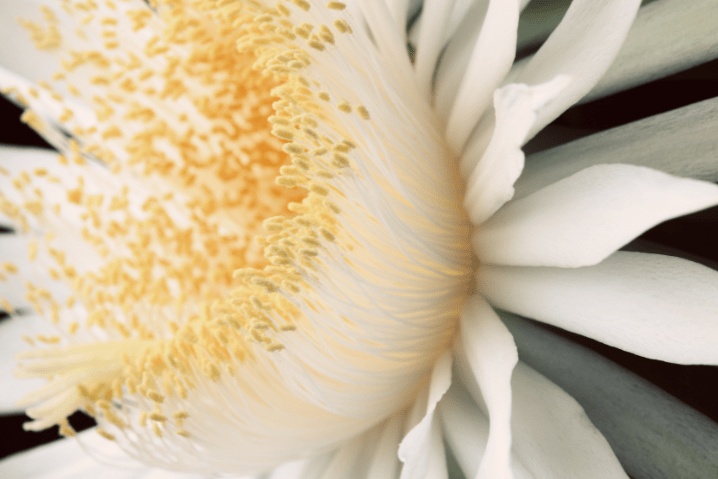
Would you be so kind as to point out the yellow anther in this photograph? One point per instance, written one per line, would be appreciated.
(274, 347)
(340, 161)
(324, 174)
(256, 302)
(283, 133)
(308, 252)
(293, 148)
(7, 307)
(342, 26)
(327, 234)
(105, 434)
(269, 286)
(310, 133)
(263, 18)
(9, 267)
(278, 120)
(156, 429)
(344, 106)
(282, 9)
(311, 241)
(286, 181)
(289, 170)
(180, 414)
(363, 112)
(300, 162)
(315, 43)
(301, 32)
(182, 432)
(67, 430)
(341, 147)
(303, 4)
(155, 416)
(155, 396)
(336, 5)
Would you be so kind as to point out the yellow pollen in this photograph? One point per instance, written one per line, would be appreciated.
(105, 434)
(336, 5)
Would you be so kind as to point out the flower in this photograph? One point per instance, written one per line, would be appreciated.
(350, 327)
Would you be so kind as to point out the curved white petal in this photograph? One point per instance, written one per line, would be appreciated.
(582, 219)
(493, 159)
(681, 142)
(435, 18)
(66, 459)
(455, 59)
(422, 451)
(490, 60)
(667, 37)
(491, 356)
(11, 332)
(384, 462)
(653, 434)
(553, 437)
(583, 46)
(656, 306)
(345, 462)
(466, 431)
(18, 53)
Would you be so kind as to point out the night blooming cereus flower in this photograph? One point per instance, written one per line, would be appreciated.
(256, 252)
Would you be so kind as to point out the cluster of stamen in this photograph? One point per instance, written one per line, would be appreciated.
(233, 227)
(230, 167)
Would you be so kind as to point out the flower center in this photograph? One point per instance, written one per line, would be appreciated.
(275, 253)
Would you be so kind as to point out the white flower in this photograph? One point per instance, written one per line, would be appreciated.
(349, 339)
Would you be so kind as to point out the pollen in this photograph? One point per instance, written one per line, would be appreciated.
(201, 219)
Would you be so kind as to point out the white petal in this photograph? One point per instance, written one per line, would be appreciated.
(435, 17)
(65, 459)
(490, 60)
(18, 52)
(656, 306)
(583, 46)
(553, 437)
(11, 332)
(681, 142)
(491, 355)
(466, 431)
(455, 59)
(344, 463)
(667, 37)
(492, 170)
(582, 219)
(653, 434)
(384, 462)
(422, 451)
